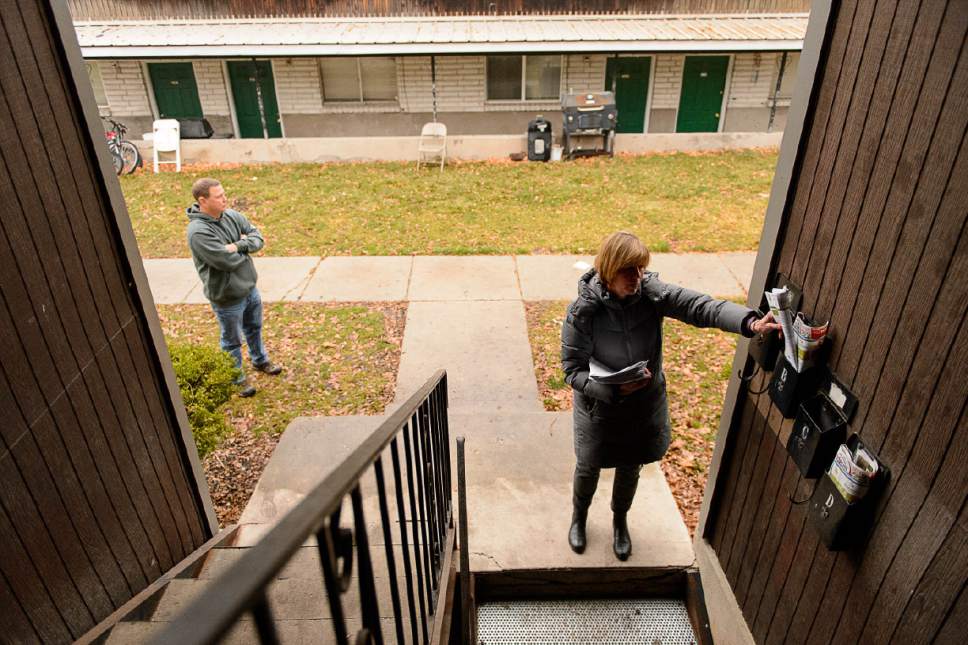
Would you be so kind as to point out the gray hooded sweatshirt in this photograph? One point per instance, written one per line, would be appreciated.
(227, 277)
(610, 429)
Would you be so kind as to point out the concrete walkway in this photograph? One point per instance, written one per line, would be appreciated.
(467, 315)
(443, 278)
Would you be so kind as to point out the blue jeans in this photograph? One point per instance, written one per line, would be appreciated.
(243, 318)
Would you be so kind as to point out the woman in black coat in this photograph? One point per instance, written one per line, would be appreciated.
(617, 320)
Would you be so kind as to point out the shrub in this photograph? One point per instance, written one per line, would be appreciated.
(206, 377)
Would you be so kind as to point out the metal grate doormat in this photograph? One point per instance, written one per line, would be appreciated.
(649, 621)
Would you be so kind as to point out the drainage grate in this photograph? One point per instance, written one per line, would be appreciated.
(647, 621)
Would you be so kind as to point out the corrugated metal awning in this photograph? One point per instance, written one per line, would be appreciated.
(440, 35)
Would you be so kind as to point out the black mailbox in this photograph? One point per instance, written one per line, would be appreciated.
(843, 524)
(788, 387)
(820, 428)
(539, 140)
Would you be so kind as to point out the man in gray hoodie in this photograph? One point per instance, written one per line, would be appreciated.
(221, 240)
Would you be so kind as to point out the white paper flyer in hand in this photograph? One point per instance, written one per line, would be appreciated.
(603, 374)
(780, 301)
(810, 337)
(852, 472)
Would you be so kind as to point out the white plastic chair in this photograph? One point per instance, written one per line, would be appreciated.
(433, 144)
(166, 135)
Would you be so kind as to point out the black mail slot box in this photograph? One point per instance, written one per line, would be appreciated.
(789, 387)
(841, 524)
(818, 431)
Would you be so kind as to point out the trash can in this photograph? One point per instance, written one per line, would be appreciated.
(539, 139)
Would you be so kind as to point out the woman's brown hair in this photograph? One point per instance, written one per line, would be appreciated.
(621, 250)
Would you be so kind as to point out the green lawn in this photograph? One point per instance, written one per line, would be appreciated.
(674, 202)
(696, 363)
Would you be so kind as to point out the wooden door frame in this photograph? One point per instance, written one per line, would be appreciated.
(726, 617)
(792, 148)
(93, 138)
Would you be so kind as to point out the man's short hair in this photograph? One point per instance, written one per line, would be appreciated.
(201, 187)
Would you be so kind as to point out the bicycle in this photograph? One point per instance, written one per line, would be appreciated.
(124, 154)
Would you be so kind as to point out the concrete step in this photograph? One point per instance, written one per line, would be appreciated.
(301, 598)
(291, 632)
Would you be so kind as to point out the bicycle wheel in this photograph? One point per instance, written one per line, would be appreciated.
(130, 156)
(118, 162)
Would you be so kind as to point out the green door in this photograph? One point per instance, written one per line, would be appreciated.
(631, 79)
(703, 84)
(175, 91)
(244, 75)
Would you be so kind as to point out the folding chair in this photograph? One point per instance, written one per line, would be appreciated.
(433, 144)
(166, 135)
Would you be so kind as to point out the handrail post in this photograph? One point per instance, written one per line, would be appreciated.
(465, 560)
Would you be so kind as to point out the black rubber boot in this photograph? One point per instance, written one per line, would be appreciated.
(576, 534)
(623, 541)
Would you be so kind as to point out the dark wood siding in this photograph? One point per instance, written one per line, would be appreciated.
(132, 10)
(874, 230)
(96, 496)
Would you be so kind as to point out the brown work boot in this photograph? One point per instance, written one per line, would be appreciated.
(246, 389)
(269, 368)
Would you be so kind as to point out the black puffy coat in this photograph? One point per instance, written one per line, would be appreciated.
(612, 430)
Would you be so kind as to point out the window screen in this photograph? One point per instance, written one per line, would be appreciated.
(542, 77)
(379, 79)
(503, 78)
(340, 79)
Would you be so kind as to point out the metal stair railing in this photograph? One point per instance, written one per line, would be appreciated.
(422, 421)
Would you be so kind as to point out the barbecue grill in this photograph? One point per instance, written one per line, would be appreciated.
(588, 122)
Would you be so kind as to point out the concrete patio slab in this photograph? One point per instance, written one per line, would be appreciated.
(463, 278)
(705, 272)
(740, 264)
(483, 346)
(519, 477)
(550, 277)
(519, 473)
(172, 280)
(283, 278)
(354, 279)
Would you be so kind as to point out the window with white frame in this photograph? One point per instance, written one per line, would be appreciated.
(94, 75)
(524, 78)
(352, 79)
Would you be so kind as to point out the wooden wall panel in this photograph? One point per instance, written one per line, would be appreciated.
(875, 231)
(97, 497)
(151, 9)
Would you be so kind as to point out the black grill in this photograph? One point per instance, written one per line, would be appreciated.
(588, 122)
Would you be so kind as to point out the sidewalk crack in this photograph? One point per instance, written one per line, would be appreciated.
(305, 282)
(406, 293)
